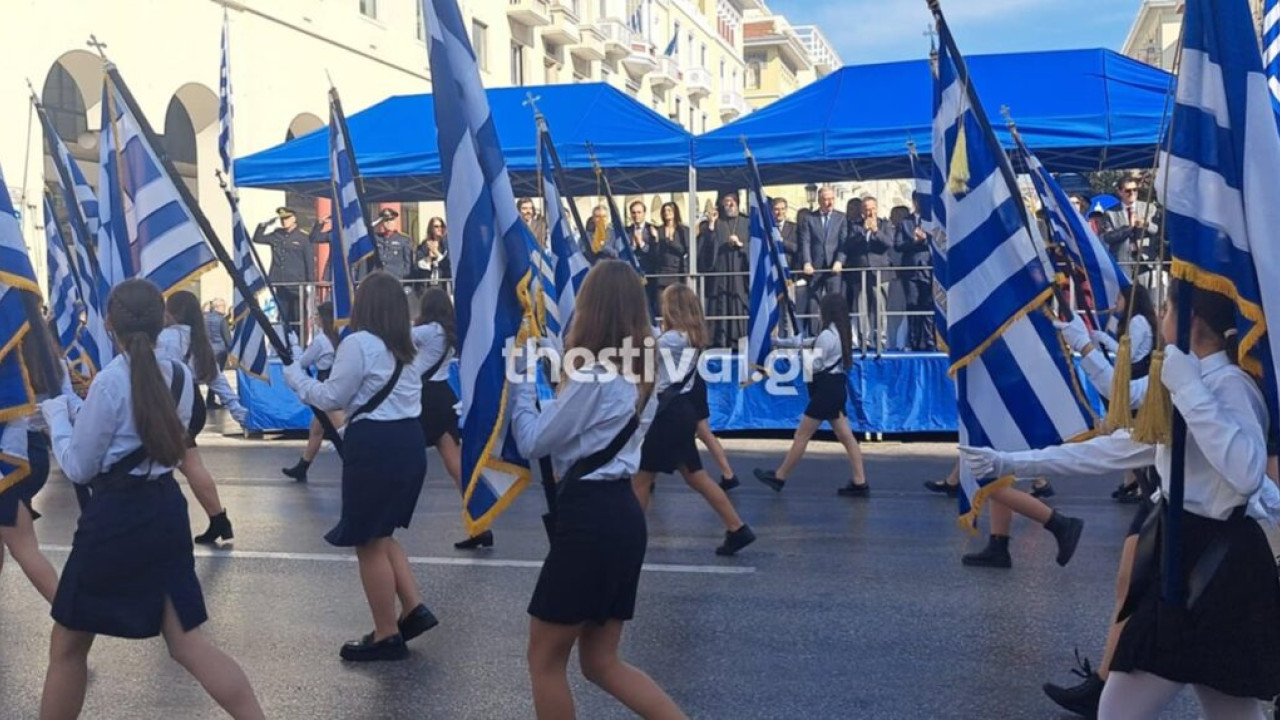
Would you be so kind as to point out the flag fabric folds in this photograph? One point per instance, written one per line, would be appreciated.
(1218, 183)
(66, 300)
(150, 231)
(923, 189)
(1271, 49)
(626, 252)
(768, 275)
(570, 265)
(350, 244)
(16, 398)
(1015, 385)
(492, 250)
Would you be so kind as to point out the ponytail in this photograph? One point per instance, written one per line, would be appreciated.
(185, 310)
(135, 311)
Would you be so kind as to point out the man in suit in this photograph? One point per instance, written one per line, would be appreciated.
(1134, 227)
(823, 239)
(531, 219)
(644, 244)
(912, 242)
(870, 239)
(791, 250)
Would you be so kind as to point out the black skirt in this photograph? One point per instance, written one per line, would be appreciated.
(592, 572)
(199, 416)
(383, 466)
(439, 418)
(131, 550)
(698, 396)
(25, 490)
(670, 442)
(1229, 638)
(828, 393)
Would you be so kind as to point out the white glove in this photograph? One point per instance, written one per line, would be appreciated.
(294, 375)
(1180, 369)
(35, 421)
(1075, 333)
(984, 462)
(56, 410)
(1104, 340)
(241, 415)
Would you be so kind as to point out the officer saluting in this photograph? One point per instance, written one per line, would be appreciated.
(395, 249)
(292, 261)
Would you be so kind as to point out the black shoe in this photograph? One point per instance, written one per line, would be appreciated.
(367, 650)
(1127, 493)
(1043, 490)
(853, 490)
(769, 478)
(994, 555)
(219, 529)
(297, 472)
(729, 483)
(1081, 699)
(1067, 532)
(483, 540)
(418, 621)
(943, 488)
(736, 540)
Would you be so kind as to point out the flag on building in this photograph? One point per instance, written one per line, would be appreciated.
(350, 244)
(1218, 180)
(146, 230)
(492, 249)
(1016, 388)
(571, 266)
(16, 399)
(768, 275)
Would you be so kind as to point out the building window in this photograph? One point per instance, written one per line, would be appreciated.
(704, 123)
(722, 71)
(64, 104)
(677, 113)
(517, 64)
(754, 70)
(480, 43)
(369, 8)
(704, 55)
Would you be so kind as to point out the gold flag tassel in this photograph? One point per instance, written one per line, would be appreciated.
(1120, 411)
(1154, 424)
(958, 173)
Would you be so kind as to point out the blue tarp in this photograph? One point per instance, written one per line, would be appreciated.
(395, 144)
(1079, 110)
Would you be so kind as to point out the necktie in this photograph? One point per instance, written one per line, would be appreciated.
(825, 216)
(1129, 210)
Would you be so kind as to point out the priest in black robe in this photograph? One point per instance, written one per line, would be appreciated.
(722, 250)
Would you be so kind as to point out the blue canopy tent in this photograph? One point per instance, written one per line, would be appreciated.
(395, 143)
(1080, 110)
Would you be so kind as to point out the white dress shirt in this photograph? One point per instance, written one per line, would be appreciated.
(1141, 339)
(432, 345)
(361, 367)
(1226, 458)
(104, 431)
(675, 361)
(583, 418)
(319, 353)
(827, 354)
(174, 343)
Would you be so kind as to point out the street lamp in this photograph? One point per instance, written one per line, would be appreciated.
(811, 194)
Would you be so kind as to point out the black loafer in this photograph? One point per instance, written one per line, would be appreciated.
(769, 478)
(736, 540)
(855, 491)
(366, 649)
(418, 621)
(729, 483)
(483, 540)
(942, 488)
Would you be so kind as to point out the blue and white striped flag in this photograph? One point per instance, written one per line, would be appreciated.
(491, 248)
(248, 350)
(66, 301)
(149, 232)
(768, 276)
(621, 240)
(1271, 49)
(350, 244)
(923, 179)
(1218, 182)
(571, 266)
(16, 399)
(1070, 231)
(1016, 388)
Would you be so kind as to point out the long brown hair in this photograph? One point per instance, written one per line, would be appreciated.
(324, 312)
(682, 311)
(135, 313)
(437, 307)
(184, 308)
(380, 309)
(40, 353)
(611, 309)
(834, 312)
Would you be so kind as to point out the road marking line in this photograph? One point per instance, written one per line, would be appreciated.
(448, 561)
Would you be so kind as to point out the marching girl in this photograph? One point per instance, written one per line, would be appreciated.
(22, 439)
(592, 431)
(828, 391)
(1142, 341)
(1226, 642)
(319, 354)
(669, 444)
(131, 573)
(436, 338)
(376, 381)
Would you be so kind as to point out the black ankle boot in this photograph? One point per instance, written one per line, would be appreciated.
(219, 529)
(298, 472)
(994, 555)
(1082, 699)
(1067, 532)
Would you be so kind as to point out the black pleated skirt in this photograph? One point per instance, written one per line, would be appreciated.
(1229, 638)
(671, 439)
(132, 549)
(592, 572)
(383, 466)
(828, 393)
(199, 417)
(698, 396)
(25, 490)
(439, 418)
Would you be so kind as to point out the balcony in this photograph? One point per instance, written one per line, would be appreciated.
(641, 59)
(732, 105)
(666, 74)
(533, 13)
(564, 25)
(698, 82)
(591, 45)
(617, 38)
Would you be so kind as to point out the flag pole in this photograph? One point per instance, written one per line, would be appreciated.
(253, 252)
(773, 248)
(341, 117)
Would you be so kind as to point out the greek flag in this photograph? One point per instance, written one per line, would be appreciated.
(626, 253)
(1070, 231)
(226, 110)
(1218, 182)
(350, 244)
(65, 299)
(1271, 49)
(491, 248)
(16, 400)
(570, 265)
(923, 187)
(149, 230)
(768, 275)
(1016, 388)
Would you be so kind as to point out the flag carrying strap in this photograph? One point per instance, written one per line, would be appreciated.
(678, 388)
(598, 459)
(383, 393)
(435, 368)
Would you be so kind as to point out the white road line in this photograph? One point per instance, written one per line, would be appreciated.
(477, 562)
